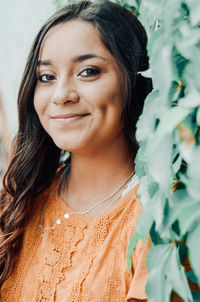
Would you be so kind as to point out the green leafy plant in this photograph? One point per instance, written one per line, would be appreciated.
(168, 161)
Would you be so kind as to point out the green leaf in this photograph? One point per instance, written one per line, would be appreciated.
(176, 165)
(178, 277)
(164, 269)
(194, 7)
(183, 252)
(157, 274)
(155, 236)
(153, 188)
(139, 165)
(193, 174)
(179, 62)
(189, 217)
(196, 296)
(144, 228)
(131, 246)
(193, 244)
(146, 122)
(192, 277)
(170, 120)
(198, 116)
(177, 200)
(159, 166)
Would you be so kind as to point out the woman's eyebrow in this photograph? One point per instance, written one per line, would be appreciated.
(44, 62)
(75, 59)
(87, 56)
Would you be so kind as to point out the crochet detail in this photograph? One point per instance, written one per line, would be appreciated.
(101, 229)
(59, 257)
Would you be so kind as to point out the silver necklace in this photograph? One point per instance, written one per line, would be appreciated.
(85, 212)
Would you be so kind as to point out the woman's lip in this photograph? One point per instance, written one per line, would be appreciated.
(67, 119)
(69, 116)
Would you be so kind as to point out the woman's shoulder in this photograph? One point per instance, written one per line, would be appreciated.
(129, 207)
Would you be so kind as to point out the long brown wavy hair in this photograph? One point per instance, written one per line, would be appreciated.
(35, 158)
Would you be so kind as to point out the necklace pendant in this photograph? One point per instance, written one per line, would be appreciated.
(66, 216)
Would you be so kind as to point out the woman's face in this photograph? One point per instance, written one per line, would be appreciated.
(79, 91)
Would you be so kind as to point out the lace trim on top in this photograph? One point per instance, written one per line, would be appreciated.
(66, 238)
(59, 257)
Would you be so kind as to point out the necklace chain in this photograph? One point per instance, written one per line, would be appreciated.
(85, 212)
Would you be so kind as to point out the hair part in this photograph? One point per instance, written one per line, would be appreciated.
(126, 39)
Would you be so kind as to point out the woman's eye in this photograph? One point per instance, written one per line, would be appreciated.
(89, 72)
(45, 78)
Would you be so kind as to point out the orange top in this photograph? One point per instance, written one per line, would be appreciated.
(82, 259)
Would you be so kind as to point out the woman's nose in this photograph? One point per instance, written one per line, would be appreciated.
(64, 93)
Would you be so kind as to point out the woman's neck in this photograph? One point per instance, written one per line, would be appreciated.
(93, 177)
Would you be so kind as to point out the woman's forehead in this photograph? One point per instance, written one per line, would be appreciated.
(73, 39)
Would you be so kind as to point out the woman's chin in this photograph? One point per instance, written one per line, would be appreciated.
(70, 146)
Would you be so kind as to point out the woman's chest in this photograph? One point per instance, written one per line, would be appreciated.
(77, 261)
(80, 264)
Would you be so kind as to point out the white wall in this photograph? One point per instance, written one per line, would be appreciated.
(20, 20)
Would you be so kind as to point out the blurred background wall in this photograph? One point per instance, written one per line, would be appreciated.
(19, 22)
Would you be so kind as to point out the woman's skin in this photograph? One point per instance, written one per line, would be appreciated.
(79, 98)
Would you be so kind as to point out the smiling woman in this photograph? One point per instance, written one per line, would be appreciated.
(66, 225)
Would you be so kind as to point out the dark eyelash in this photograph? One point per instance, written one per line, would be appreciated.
(39, 78)
(93, 71)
